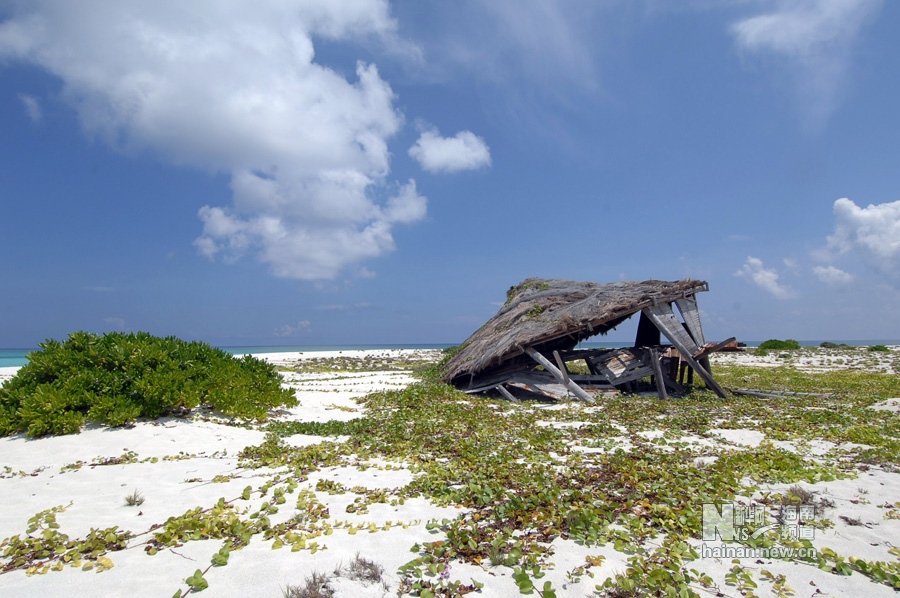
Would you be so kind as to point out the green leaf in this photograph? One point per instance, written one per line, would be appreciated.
(196, 581)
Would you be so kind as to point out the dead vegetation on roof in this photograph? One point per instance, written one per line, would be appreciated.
(556, 314)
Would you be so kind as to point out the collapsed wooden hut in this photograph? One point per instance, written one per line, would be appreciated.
(543, 320)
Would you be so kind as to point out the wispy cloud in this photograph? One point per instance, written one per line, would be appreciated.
(463, 151)
(534, 40)
(117, 324)
(292, 329)
(344, 308)
(234, 87)
(832, 275)
(755, 272)
(530, 58)
(814, 39)
(32, 107)
(738, 238)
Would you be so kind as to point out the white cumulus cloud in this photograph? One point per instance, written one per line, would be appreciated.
(832, 275)
(464, 151)
(754, 271)
(815, 39)
(234, 87)
(872, 233)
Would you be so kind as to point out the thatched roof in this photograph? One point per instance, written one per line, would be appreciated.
(555, 314)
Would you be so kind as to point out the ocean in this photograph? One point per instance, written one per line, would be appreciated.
(18, 357)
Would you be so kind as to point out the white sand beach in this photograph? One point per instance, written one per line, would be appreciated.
(175, 465)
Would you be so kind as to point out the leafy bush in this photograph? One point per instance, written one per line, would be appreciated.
(777, 345)
(878, 348)
(831, 345)
(115, 378)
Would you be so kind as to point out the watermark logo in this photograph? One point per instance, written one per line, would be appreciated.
(739, 524)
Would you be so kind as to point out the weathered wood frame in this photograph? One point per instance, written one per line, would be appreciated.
(644, 359)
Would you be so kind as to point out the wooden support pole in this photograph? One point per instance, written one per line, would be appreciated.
(717, 347)
(658, 374)
(509, 396)
(576, 390)
(685, 350)
(562, 366)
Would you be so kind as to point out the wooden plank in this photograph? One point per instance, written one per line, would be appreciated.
(691, 314)
(576, 390)
(576, 354)
(687, 350)
(717, 346)
(591, 380)
(780, 393)
(623, 365)
(506, 393)
(630, 375)
(658, 374)
(670, 376)
(669, 324)
(562, 366)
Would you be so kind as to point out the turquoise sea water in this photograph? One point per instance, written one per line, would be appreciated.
(17, 357)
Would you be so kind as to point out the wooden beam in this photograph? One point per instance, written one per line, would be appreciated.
(623, 365)
(668, 323)
(687, 350)
(691, 314)
(506, 393)
(717, 347)
(576, 390)
(658, 374)
(562, 366)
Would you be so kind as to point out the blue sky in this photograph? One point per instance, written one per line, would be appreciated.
(362, 171)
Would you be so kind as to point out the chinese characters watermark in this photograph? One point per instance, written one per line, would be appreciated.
(739, 524)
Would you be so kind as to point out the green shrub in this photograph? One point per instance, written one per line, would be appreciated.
(777, 345)
(760, 352)
(830, 345)
(115, 378)
(878, 348)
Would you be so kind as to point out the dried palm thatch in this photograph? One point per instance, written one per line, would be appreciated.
(555, 314)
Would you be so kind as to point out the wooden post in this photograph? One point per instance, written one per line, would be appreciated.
(658, 374)
(662, 318)
(506, 393)
(576, 390)
(562, 366)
